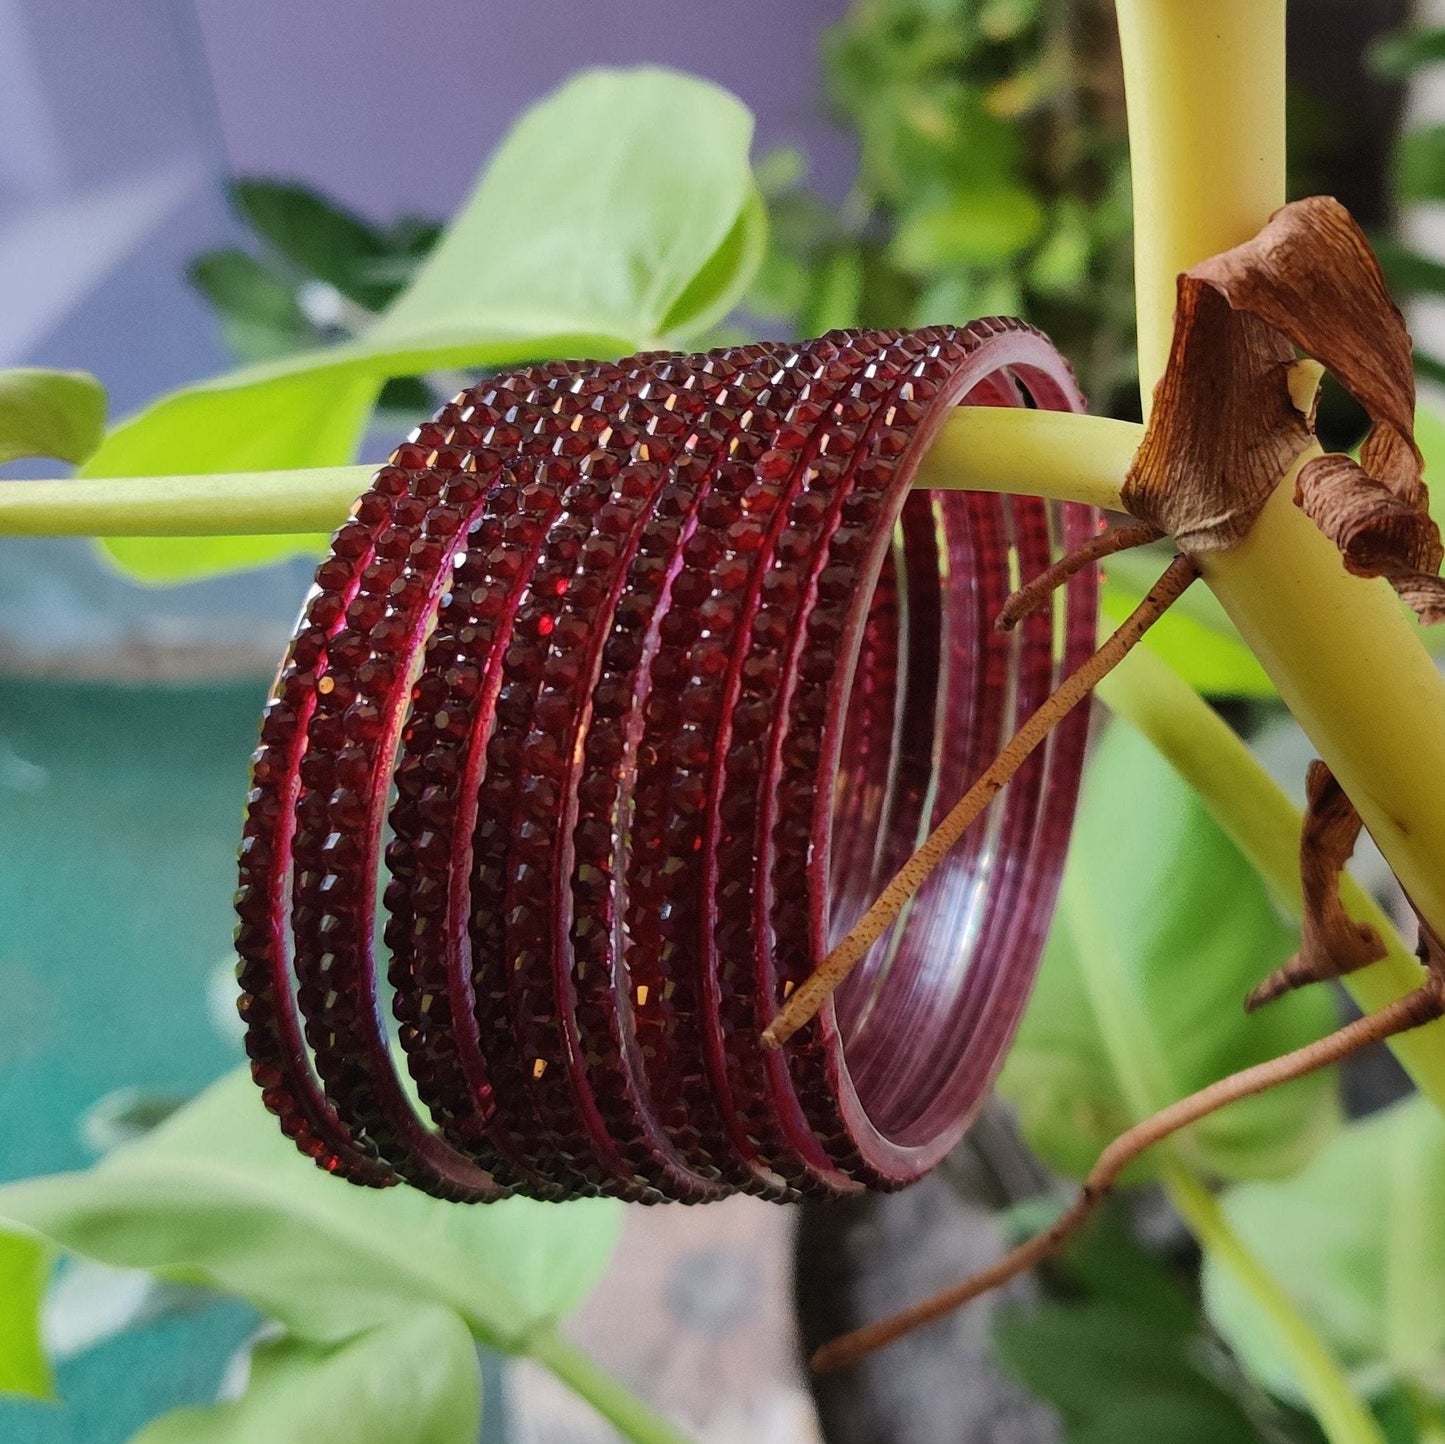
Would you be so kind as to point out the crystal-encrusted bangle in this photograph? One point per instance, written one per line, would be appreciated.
(663, 669)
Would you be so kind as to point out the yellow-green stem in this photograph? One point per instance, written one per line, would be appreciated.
(1032, 453)
(1341, 1414)
(237, 503)
(635, 1419)
(1205, 81)
(1043, 453)
(1205, 85)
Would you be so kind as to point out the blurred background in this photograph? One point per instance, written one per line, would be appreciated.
(157, 160)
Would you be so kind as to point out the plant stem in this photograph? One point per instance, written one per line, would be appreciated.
(1342, 1416)
(1054, 454)
(616, 1404)
(981, 448)
(239, 503)
(1205, 84)
(1350, 666)
(1205, 81)
(1264, 824)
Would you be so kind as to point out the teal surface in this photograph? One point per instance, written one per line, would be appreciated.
(119, 813)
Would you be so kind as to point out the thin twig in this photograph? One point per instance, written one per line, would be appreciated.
(1422, 1006)
(805, 1002)
(1034, 594)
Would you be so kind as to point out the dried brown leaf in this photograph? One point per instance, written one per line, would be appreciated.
(1378, 534)
(1225, 427)
(1332, 942)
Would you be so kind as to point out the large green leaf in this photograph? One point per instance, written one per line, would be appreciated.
(1098, 1364)
(50, 413)
(414, 1380)
(311, 417)
(1120, 1348)
(1163, 927)
(24, 1272)
(1356, 1240)
(217, 1196)
(620, 213)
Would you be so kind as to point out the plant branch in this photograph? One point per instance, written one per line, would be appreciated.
(239, 503)
(981, 448)
(802, 1005)
(1054, 454)
(619, 1406)
(1422, 1006)
(1205, 84)
(1032, 595)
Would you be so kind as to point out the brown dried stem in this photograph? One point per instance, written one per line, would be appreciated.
(810, 997)
(1034, 594)
(1412, 1011)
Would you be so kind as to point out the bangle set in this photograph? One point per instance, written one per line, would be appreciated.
(623, 691)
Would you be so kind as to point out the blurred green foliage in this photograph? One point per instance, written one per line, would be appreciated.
(1121, 1350)
(50, 413)
(380, 1297)
(993, 179)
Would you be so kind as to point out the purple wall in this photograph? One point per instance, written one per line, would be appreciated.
(392, 104)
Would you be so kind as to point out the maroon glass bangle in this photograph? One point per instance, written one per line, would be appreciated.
(645, 677)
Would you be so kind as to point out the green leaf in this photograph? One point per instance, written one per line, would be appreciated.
(982, 227)
(1083, 1357)
(619, 214)
(414, 1380)
(1163, 928)
(311, 418)
(834, 295)
(1420, 165)
(597, 216)
(50, 413)
(259, 311)
(1399, 54)
(1356, 1241)
(320, 238)
(25, 1264)
(1167, 1420)
(216, 1196)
